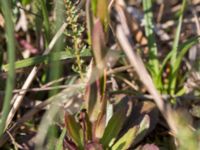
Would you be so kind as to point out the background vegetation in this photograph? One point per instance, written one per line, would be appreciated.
(99, 74)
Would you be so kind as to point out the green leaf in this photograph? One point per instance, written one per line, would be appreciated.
(173, 77)
(113, 128)
(149, 31)
(184, 49)
(126, 140)
(74, 130)
(143, 129)
(46, 23)
(177, 35)
(40, 59)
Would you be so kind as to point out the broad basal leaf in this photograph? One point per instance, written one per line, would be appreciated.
(113, 128)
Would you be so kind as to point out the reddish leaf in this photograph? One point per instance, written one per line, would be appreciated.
(98, 45)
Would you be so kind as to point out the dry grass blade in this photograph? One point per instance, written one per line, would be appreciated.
(17, 99)
(124, 38)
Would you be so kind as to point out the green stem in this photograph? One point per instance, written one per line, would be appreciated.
(6, 9)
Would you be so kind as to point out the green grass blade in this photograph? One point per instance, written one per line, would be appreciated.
(46, 21)
(183, 48)
(149, 31)
(26, 62)
(178, 32)
(177, 35)
(40, 59)
(173, 78)
(5, 7)
(59, 145)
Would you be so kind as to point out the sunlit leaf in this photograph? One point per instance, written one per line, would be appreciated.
(126, 140)
(149, 31)
(143, 128)
(114, 126)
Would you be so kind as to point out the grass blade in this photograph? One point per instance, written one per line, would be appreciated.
(173, 78)
(55, 56)
(153, 63)
(184, 47)
(46, 21)
(59, 145)
(5, 7)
